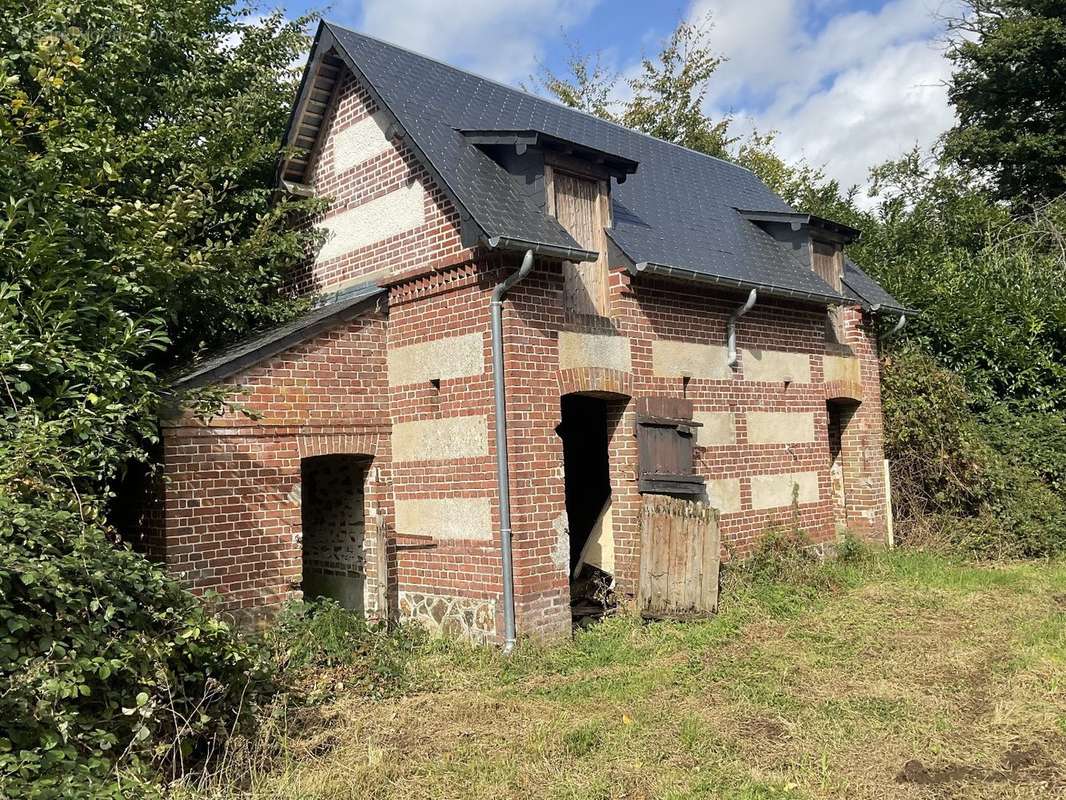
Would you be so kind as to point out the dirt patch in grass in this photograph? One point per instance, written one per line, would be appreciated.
(1019, 764)
(761, 728)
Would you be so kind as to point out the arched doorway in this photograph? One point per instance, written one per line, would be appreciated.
(842, 457)
(333, 523)
(587, 426)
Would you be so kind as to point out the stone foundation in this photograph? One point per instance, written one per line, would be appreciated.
(460, 617)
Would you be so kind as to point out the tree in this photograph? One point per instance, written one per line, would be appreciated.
(1009, 91)
(588, 87)
(667, 95)
(138, 225)
(138, 145)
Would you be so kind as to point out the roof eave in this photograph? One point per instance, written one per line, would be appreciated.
(540, 248)
(782, 292)
(880, 308)
(530, 137)
(271, 346)
(845, 232)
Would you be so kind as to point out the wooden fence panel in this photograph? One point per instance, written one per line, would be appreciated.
(679, 558)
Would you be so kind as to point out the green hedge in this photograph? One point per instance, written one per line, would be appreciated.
(106, 661)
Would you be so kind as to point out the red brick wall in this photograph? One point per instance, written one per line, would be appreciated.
(231, 496)
(436, 240)
(450, 303)
(672, 311)
(863, 437)
(232, 499)
(232, 503)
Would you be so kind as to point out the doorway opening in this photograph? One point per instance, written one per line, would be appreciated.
(331, 512)
(838, 416)
(587, 480)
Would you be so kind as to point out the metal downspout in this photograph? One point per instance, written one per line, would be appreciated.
(731, 327)
(503, 476)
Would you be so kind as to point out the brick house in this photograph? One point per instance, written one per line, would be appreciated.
(610, 274)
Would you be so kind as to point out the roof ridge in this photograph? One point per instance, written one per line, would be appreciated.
(538, 97)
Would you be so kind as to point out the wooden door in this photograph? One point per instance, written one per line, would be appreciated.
(579, 209)
(679, 558)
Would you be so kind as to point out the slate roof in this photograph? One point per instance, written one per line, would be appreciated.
(330, 310)
(861, 287)
(676, 215)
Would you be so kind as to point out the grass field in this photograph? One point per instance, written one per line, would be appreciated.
(899, 675)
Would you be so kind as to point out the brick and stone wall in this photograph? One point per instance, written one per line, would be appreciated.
(764, 441)
(333, 529)
(409, 392)
(413, 394)
(386, 213)
(440, 404)
(232, 488)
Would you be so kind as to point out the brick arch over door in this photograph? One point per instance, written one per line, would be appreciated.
(595, 381)
(329, 444)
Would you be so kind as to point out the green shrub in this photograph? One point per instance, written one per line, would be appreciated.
(784, 556)
(106, 662)
(972, 483)
(323, 649)
(852, 549)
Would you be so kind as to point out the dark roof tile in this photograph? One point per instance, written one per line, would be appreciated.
(328, 312)
(677, 210)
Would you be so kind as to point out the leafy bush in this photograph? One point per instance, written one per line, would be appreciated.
(784, 555)
(105, 659)
(138, 145)
(324, 649)
(961, 481)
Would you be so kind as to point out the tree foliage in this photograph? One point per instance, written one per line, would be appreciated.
(138, 143)
(106, 661)
(666, 97)
(1009, 91)
(963, 481)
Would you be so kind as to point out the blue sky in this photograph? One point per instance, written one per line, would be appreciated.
(846, 84)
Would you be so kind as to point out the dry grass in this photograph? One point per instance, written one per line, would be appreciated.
(913, 678)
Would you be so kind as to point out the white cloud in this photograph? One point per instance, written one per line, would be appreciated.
(501, 40)
(872, 112)
(864, 87)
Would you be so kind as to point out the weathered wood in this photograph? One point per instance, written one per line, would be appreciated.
(578, 207)
(381, 566)
(665, 439)
(827, 260)
(679, 558)
(672, 408)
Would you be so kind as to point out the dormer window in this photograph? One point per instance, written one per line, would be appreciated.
(571, 182)
(827, 260)
(581, 203)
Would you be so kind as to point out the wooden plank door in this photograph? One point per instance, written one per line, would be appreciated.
(679, 558)
(579, 209)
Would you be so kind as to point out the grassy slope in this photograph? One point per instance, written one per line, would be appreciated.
(790, 692)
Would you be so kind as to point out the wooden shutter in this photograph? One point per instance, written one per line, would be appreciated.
(579, 207)
(827, 260)
(665, 436)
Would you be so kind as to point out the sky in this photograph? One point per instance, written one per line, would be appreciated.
(845, 84)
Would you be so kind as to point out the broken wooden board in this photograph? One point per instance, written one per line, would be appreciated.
(679, 558)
